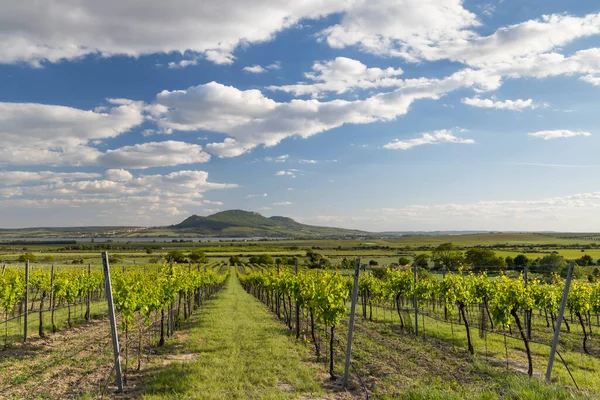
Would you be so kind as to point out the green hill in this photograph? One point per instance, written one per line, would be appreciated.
(239, 223)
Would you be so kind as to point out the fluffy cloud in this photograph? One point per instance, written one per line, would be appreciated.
(255, 69)
(251, 196)
(142, 199)
(401, 28)
(119, 175)
(182, 64)
(76, 28)
(514, 105)
(155, 154)
(557, 134)
(341, 75)
(285, 173)
(252, 119)
(441, 136)
(279, 159)
(283, 203)
(18, 177)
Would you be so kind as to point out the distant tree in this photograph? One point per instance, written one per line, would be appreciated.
(373, 262)
(403, 261)
(422, 260)
(197, 256)
(509, 261)
(77, 261)
(521, 260)
(234, 260)
(447, 256)
(347, 263)
(176, 256)
(553, 263)
(115, 258)
(48, 259)
(484, 259)
(149, 251)
(585, 261)
(27, 256)
(265, 259)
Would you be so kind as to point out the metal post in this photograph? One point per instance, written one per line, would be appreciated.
(415, 299)
(52, 297)
(26, 314)
(89, 296)
(559, 319)
(113, 320)
(351, 323)
(297, 306)
(527, 318)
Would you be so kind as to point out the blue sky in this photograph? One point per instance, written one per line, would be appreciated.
(377, 115)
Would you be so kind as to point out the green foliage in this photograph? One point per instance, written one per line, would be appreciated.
(553, 263)
(447, 256)
(422, 260)
(521, 260)
(484, 259)
(27, 257)
(175, 256)
(197, 256)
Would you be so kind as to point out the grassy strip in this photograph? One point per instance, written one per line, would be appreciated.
(237, 350)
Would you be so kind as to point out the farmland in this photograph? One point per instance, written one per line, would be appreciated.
(460, 349)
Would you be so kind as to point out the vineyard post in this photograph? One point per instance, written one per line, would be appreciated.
(351, 323)
(26, 315)
(113, 320)
(52, 297)
(89, 294)
(297, 306)
(3, 268)
(415, 299)
(527, 317)
(563, 303)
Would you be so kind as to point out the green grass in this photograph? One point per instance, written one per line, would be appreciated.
(237, 351)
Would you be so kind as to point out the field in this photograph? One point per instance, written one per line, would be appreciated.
(221, 331)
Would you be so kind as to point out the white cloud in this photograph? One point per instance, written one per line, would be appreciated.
(341, 75)
(275, 65)
(146, 199)
(77, 28)
(514, 105)
(255, 69)
(557, 134)
(593, 79)
(154, 154)
(33, 133)
(401, 28)
(251, 119)
(285, 173)
(216, 203)
(308, 161)
(250, 196)
(279, 159)
(283, 203)
(18, 177)
(119, 175)
(441, 136)
(182, 64)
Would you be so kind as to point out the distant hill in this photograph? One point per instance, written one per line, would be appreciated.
(239, 223)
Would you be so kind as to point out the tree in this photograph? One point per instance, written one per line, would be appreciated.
(234, 260)
(176, 256)
(585, 260)
(553, 263)
(447, 256)
(373, 262)
(403, 261)
(521, 260)
(422, 260)
(27, 257)
(484, 258)
(509, 261)
(197, 256)
(265, 259)
(149, 251)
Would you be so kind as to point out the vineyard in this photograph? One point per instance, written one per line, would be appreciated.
(499, 328)
(150, 301)
(490, 317)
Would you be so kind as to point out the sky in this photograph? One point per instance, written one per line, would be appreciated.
(381, 115)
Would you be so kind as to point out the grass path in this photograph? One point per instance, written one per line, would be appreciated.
(237, 350)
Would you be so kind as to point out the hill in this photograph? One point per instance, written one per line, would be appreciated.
(239, 223)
